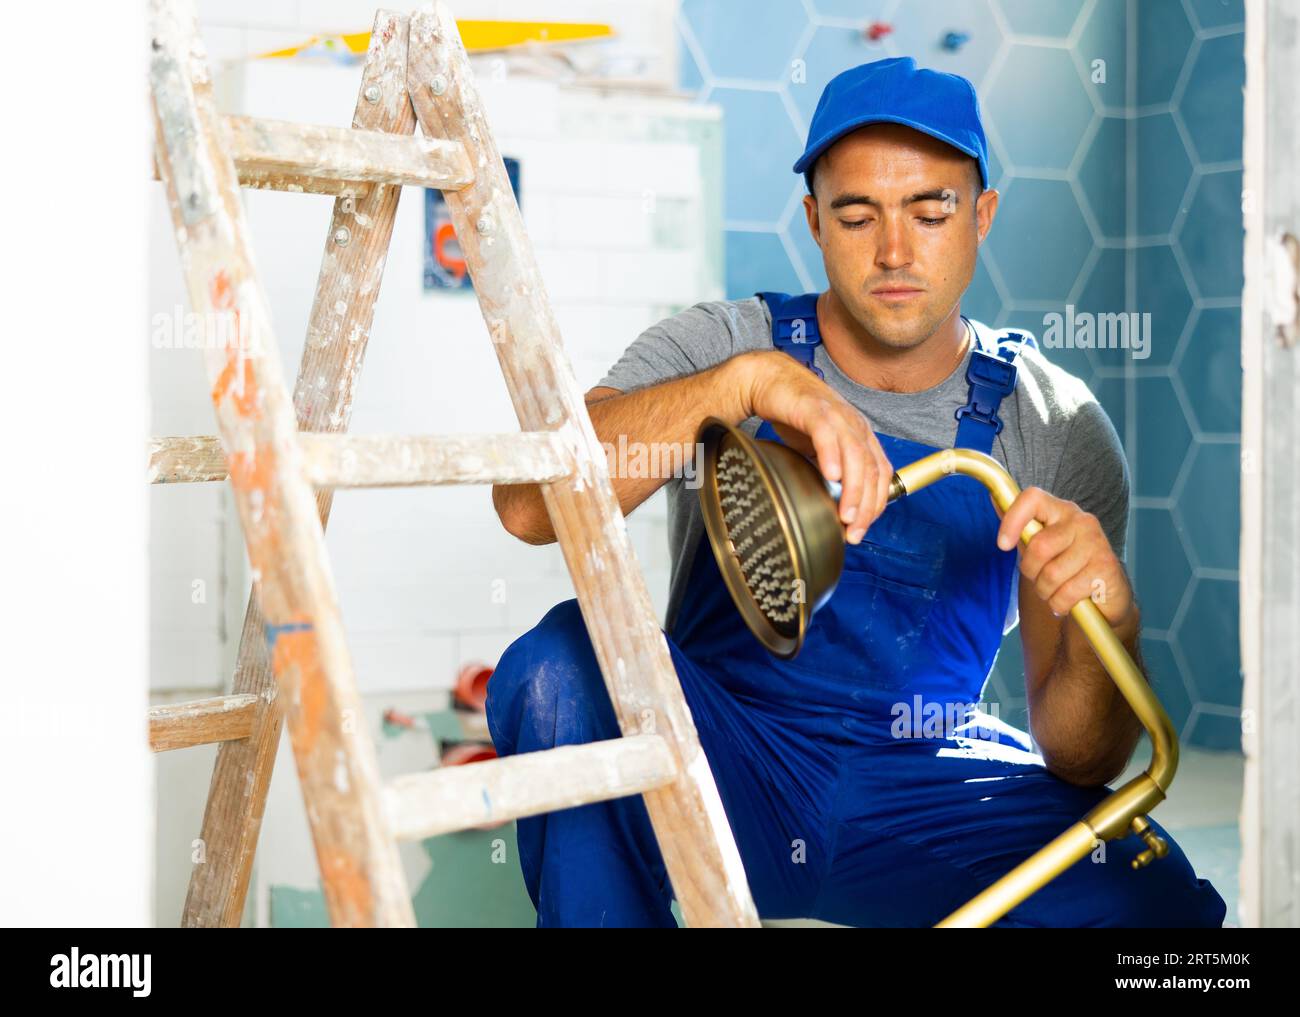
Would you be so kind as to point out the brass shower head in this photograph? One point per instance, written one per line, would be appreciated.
(773, 525)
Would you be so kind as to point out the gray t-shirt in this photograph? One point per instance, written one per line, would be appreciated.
(1055, 435)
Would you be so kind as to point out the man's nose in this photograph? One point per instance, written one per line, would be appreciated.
(895, 247)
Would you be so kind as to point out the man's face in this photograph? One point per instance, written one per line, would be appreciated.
(899, 217)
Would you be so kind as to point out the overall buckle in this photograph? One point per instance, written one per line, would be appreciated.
(802, 348)
(991, 380)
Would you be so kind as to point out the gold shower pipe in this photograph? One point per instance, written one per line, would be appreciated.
(1124, 811)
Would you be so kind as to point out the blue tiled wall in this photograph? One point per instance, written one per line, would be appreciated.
(1115, 133)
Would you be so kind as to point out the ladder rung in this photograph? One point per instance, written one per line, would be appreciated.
(220, 719)
(285, 156)
(189, 460)
(265, 180)
(342, 460)
(345, 460)
(460, 797)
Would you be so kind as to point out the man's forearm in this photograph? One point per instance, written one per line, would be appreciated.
(647, 423)
(1083, 725)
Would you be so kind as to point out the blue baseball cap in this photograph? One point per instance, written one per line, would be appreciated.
(896, 91)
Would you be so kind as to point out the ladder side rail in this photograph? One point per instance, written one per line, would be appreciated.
(360, 866)
(694, 836)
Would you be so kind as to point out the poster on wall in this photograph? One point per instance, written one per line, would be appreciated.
(444, 264)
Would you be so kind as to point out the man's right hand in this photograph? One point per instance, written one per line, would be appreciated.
(809, 415)
(815, 420)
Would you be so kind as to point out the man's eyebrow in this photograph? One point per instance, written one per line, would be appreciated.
(854, 199)
(936, 194)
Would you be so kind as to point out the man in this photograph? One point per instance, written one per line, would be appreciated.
(849, 802)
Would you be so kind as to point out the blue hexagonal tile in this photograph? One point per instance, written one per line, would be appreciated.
(1163, 37)
(809, 254)
(1162, 293)
(733, 50)
(981, 300)
(1210, 369)
(1103, 294)
(830, 51)
(1161, 570)
(1033, 17)
(1039, 240)
(1103, 175)
(757, 261)
(1209, 504)
(1216, 730)
(1207, 635)
(994, 155)
(759, 148)
(920, 27)
(1212, 235)
(1167, 680)
(1006, 684)
(1218, 13)
(1102, 52)
(1163, 437)
(1212, 103)
(1163, 173)
(1040, 107)
(689, 76)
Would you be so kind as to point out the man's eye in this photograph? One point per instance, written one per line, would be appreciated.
(855, 224)
(933, 221)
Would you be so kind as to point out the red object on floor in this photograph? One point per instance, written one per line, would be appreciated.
(877, 30)
(467, 752)
(471, 686)
(471, 752)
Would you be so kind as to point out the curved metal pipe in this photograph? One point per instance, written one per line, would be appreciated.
(1123, 812)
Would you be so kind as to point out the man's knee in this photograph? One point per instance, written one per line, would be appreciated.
(547, 688)
(1165, 894)
(1105, 890)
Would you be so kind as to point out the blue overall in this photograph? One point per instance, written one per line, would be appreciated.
(862, 784)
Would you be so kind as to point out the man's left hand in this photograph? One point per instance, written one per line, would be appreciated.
(1070, 559)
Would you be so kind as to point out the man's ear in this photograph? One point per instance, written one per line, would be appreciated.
(986, 207)
(814, 221)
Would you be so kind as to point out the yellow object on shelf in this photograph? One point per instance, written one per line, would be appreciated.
(476, 35)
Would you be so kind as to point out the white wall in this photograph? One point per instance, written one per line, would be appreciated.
(76, 789)
(620, 218)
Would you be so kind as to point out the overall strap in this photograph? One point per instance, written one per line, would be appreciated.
(991, 375)
(794, 326)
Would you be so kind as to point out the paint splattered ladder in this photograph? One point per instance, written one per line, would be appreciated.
(293, 658)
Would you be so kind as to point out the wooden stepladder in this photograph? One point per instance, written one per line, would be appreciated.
(293, 660)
